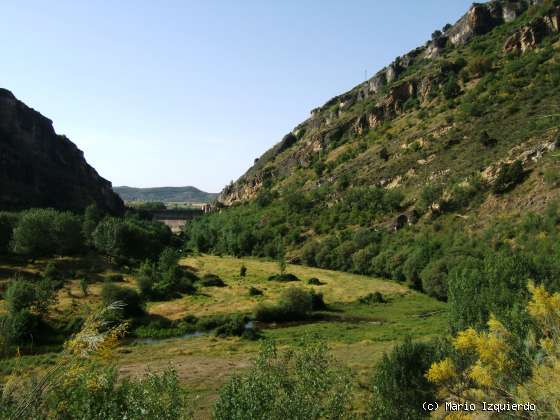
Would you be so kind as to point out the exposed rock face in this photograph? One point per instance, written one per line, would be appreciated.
(528, 37)
(387, 92)
(39, 168)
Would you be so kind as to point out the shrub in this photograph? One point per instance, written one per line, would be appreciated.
(508, 177)
(131, 238)
(286, 277)
(451, 88)
(485, 139)
(131, 300)
(212, 280)
(399, 384)
(164, 279)
(17, 328)
(372, 298)
(314, 281)
(253, 291)
(430, 194)
(317, 301)
(95, 391)
(434, 279)
(23, 294)
(302, 384)
(294, 305)
(43, 232)
(233, 325)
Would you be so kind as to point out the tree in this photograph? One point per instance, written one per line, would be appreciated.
(92, 217)
(399, 385)
(42, 232)
(497, 365)
(302, 384)
(130, 299)
(509, 176)
(451, 88)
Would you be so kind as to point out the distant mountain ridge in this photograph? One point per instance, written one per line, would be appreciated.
(165, 194)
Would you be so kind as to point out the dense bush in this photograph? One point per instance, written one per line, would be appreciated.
(253, 291)
(35, 295)
(27, 303)
(372, 298)
(301, 384)
(294, 305)
(212, 280)
(314, 281)
(164, 279)
(131, 238)
(399, 383)
(434, 278)
(132, 305)
(93, 391)
(508, 177)
(286, 277)
(43, 232)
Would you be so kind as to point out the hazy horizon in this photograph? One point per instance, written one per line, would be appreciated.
(189, 94)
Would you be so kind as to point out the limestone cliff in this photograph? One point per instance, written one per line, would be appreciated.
(39, 168)
(384, 97)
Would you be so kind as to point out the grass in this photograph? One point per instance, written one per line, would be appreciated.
(357, 333)
(338, 287)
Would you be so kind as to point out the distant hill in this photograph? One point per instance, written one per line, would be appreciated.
(165, 194)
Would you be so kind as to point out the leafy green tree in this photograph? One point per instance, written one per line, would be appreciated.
(509, 176)
(451, 88)
(130, 299)
(92, 216)
(42, 232)
(399, 384)
(434, 278)
(302, 384)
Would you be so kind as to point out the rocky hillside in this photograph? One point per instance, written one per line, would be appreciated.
(39, 168)
(480, 94)
(165, 194)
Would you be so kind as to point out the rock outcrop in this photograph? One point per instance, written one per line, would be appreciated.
(387, 92)
(39, 168)
(529, 36)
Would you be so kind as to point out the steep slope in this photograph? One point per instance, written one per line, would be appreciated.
(39, 168)
(442, 171)
(165, 194)
(452, 136)
(404, 125)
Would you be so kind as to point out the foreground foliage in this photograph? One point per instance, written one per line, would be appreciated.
(85, 385)
(301, 384)
(497, 366)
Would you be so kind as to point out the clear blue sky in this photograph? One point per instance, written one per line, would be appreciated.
(173, 92)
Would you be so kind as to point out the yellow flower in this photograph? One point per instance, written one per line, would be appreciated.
(441, 371)
(481, 375)
(466, 340)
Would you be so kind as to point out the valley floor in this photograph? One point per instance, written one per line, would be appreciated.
(357, 333)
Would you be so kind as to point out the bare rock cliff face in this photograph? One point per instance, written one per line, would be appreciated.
(39, 168)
